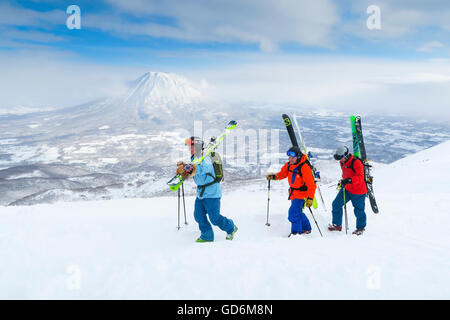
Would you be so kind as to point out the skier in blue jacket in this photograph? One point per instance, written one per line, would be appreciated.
(209, 194)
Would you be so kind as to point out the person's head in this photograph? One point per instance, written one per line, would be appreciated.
(342, 154)
(195, 145)
(294, 154)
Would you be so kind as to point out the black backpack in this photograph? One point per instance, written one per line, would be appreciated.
(365, 165)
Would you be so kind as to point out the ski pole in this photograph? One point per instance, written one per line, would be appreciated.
(345, 210)
(268, 202)
(178, 227)
(321, 198)
(184, 205)
(315, 221)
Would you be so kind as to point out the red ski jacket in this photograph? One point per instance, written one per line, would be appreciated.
(354, 169)
(300, 178)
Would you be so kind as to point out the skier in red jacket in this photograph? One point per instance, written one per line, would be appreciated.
(301, 191)
(354, 185)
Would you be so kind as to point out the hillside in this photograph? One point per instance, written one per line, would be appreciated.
(131, 248)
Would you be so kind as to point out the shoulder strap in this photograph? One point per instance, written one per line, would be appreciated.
(203, 187)
(299, 168)
(353, 162)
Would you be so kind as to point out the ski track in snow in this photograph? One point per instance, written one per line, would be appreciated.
(131, 248)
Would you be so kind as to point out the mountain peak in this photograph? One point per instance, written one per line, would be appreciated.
(163, 91)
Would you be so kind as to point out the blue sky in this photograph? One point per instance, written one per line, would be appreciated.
(122, 32)
(236, 46)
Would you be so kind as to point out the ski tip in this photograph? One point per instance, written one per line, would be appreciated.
(232, 124)
(287, 120)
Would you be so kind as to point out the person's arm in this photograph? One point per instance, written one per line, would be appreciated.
(283, 172)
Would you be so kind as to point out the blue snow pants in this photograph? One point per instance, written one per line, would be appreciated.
(211, 206)
(359, 203)
(297, 217)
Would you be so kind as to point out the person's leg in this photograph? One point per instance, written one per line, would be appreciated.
(336, 210)
(202, 220)
(294, 216)
(359, 203)
(306, 226)
(212, 206)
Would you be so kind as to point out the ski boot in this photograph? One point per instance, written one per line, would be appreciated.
(358, 232)
(306, 232)
(230, 236)
(333, 227)
(292, 234)
(200, 240)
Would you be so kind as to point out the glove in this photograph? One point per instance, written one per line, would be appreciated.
(185, 170)
(271, 176)
(309, 202)
(345, 182)
(189, 168)
(180, 170)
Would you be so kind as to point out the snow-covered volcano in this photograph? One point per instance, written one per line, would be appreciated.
(156, 92)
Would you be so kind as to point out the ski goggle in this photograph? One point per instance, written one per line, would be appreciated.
(338, 157)
(188, 142)
(291, 154)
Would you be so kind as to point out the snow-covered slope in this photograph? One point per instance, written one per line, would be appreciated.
(131, 248)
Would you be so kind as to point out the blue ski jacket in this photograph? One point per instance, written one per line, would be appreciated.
(205, 174)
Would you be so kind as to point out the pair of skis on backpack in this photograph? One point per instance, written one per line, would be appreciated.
(359, 151)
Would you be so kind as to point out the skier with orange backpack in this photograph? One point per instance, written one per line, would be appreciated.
(301, 191)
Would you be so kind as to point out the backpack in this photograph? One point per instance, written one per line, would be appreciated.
(365, 165)
(218, 172)
(218, 166)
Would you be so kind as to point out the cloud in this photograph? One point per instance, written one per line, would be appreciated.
(49, 78)
(430, 46)
(420, 88)
(267, 23)
(19, 16)
(398, 18)
(30, 35)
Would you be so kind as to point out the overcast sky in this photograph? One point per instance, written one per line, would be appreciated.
(318, 53)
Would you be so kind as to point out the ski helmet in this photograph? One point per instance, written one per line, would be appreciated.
(341, 152)
(197, 143)
(193, 141)
(294, 152)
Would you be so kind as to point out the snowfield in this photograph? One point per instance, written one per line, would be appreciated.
(131, 248)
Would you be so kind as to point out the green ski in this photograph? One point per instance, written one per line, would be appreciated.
(354, 136)
(358, 140)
